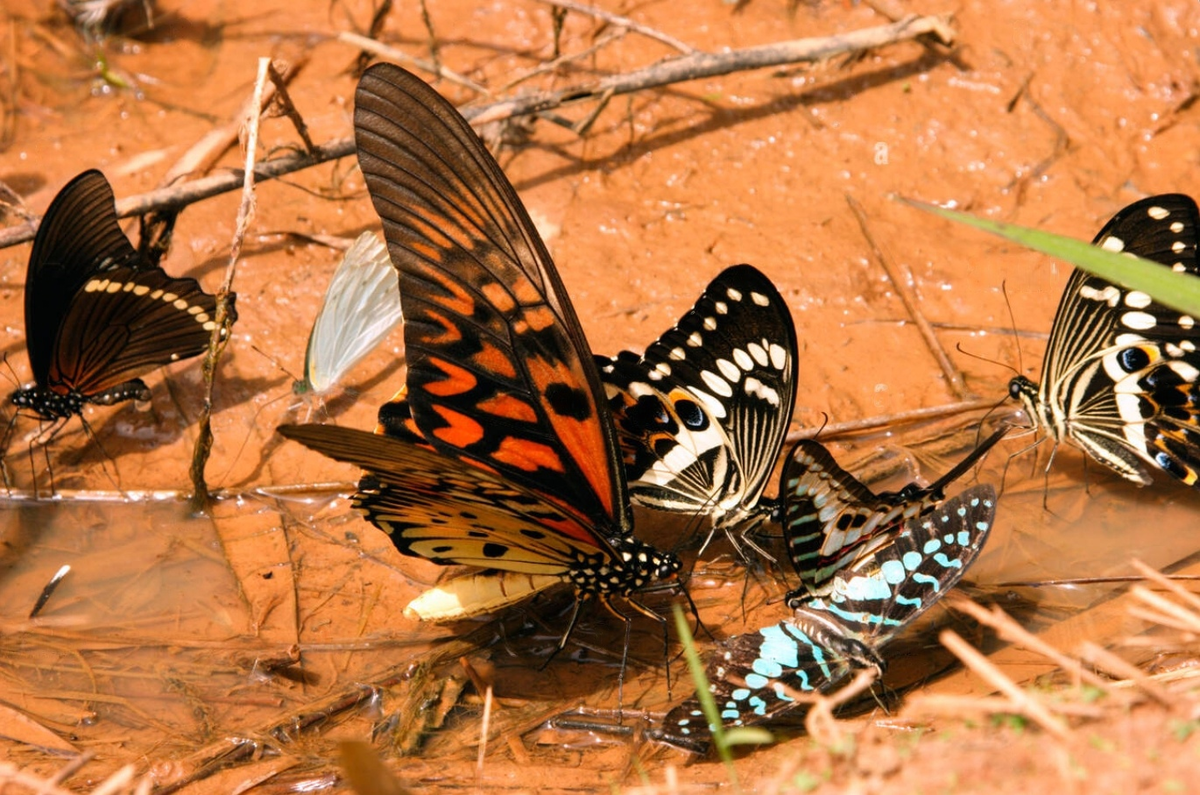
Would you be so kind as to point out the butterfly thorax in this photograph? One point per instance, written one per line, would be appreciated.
(632, 566)
(49, 404)
(831, 634)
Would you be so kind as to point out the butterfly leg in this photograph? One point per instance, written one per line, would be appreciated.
(4, 443)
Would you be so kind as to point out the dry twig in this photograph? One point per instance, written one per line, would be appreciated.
(224, 321)
(676, 70)
(953, 377)
(833, 429)
(623, 22)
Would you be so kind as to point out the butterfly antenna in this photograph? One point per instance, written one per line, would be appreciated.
(1012, 319)
(12, 374)
(958, 347)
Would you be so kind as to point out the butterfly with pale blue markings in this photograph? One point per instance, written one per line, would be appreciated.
(361, 307)
(830, 518)
(1120, 375)
(756, 677)
(701, 416)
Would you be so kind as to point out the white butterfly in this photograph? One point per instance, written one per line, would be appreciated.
(361, 307)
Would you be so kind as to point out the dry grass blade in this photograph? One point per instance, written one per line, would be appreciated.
(820, 722)
(1013, 632)
(1105, 659)
(1168, 583)
(1164, 611)
(1021, 702)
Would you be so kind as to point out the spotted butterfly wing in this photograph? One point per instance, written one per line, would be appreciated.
(522, 473)
(831, 518)
(361, 307)
(97, 314)
(755, 677)
(703, 413)
(1120, 372)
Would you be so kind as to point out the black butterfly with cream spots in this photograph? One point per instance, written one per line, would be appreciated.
(702, 415)
(97, 313)
(1120, 375)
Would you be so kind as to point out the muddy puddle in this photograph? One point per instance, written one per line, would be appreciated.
(243, 645)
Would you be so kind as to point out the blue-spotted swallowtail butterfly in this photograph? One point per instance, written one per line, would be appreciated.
(756, 676)
(830, 518)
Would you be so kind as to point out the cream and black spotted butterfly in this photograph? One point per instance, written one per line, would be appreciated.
(702, 415)
(1120, 375)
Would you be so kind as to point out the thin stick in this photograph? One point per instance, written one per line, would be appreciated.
(201, 156)
(404, 59)
(702, 64)
(1021, 701)
(624, 22)
(221, 333)
(678, 70)
(885, 420)
(1168, 583)
(483, 734)
(1013, 632)
(284, 100)
(953, 377)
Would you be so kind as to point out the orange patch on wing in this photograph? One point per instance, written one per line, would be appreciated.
(509, 407)
(539, 318)
(450, 330)
(460, 430)
(494, 360)
(457, 300)
(498, 296)
(527, 292)
(526, 455)
(583, 439)
(458, 380)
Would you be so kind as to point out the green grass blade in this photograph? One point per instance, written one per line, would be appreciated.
(1180, 291)
(707, 703)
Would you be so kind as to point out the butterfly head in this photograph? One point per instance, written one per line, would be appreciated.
(1025, 391)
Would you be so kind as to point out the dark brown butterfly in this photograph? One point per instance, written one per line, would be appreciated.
(97, 314)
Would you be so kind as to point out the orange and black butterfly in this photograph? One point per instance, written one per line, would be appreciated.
(512, 462)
